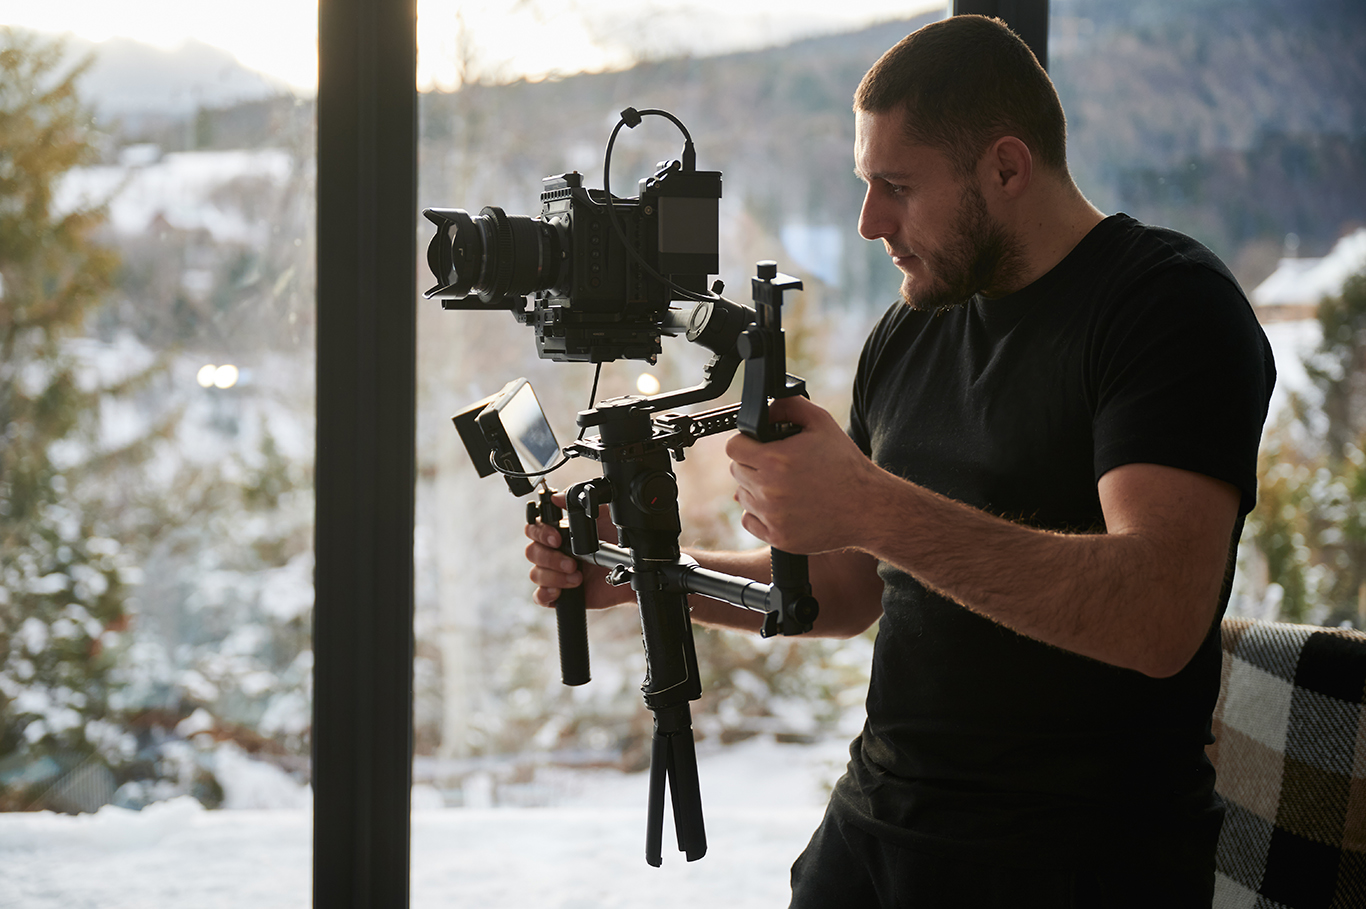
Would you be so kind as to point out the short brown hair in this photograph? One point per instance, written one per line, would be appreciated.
(964, 82)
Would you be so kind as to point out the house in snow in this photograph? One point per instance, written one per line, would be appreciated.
(1294, 289)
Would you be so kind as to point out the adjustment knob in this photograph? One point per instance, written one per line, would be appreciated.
(805, 610)
(750, 345)
(655, 492)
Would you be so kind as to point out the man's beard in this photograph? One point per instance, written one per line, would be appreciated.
(979, 256)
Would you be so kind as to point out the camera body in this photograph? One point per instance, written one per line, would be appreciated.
(600, 272)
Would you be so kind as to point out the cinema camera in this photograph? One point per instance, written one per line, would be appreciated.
(601, 273)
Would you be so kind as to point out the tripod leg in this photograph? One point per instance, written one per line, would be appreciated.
(654, 823)
(687, 796)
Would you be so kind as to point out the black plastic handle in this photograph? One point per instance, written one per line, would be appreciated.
(792, 607)
(571, 613)
(571, 621)
(796, 607)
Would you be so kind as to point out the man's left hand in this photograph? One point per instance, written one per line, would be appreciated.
(802, 494)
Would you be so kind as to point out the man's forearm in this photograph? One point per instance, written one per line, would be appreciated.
(845, 585)
(1137, 596)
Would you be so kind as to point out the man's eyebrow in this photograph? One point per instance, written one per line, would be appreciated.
(886, 176)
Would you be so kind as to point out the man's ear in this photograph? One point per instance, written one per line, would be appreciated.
(1008, 167)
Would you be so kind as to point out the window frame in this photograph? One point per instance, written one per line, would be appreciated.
(366, 451)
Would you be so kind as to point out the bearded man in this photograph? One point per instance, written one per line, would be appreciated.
(1050, 454)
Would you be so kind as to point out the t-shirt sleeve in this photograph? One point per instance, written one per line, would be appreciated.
(1182, 377)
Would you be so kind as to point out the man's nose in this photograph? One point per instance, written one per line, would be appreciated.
(872, 221)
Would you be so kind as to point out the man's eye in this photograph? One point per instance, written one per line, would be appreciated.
(895, 189)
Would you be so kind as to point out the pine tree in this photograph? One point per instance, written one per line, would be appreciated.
(61, 594)
(1310, 522)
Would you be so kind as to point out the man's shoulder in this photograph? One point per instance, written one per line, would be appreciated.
(1149, 252)
(1129, 274)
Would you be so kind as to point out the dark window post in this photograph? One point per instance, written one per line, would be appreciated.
(366, 298)
(1027, 18)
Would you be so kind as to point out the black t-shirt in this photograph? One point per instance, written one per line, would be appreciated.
(1137, 347)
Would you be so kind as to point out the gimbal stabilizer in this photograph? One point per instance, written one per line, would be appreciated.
(637, 436)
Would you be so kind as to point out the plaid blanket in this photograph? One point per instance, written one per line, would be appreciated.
(1290, 751)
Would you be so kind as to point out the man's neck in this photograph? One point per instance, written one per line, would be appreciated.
(1057, 219)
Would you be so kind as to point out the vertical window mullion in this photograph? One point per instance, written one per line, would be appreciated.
(366, 292)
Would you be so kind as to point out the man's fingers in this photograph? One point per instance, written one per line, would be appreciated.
(542, 556)
(741, 450)
(757, 527)
(543, 534)
(789, 409)
(550, 583)
(554, 580)
(797, 409)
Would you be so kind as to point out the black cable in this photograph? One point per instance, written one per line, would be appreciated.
(493, 462)
(592, 396)
(632, 118)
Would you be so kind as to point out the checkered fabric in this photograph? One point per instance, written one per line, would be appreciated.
(1290, 751)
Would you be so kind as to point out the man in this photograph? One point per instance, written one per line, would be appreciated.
(1051, 450)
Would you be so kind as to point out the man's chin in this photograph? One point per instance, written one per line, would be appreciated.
(930, 300)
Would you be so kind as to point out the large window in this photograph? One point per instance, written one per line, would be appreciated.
(501, 745)
(156, 488)
(1171, 120)
(156, 500)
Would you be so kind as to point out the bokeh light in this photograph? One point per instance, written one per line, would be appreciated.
(647, 384)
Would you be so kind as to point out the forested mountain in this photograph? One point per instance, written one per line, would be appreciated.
(1239, 122)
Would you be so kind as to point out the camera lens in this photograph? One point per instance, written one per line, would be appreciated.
(493, 255)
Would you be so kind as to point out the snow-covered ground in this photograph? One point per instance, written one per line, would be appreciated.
(761, 801)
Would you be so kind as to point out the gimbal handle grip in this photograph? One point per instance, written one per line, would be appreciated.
(797, 608)
(571, 623)
(571, 614)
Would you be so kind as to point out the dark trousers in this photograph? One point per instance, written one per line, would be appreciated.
(845, 867)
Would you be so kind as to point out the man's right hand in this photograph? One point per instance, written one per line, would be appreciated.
(552, 571)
